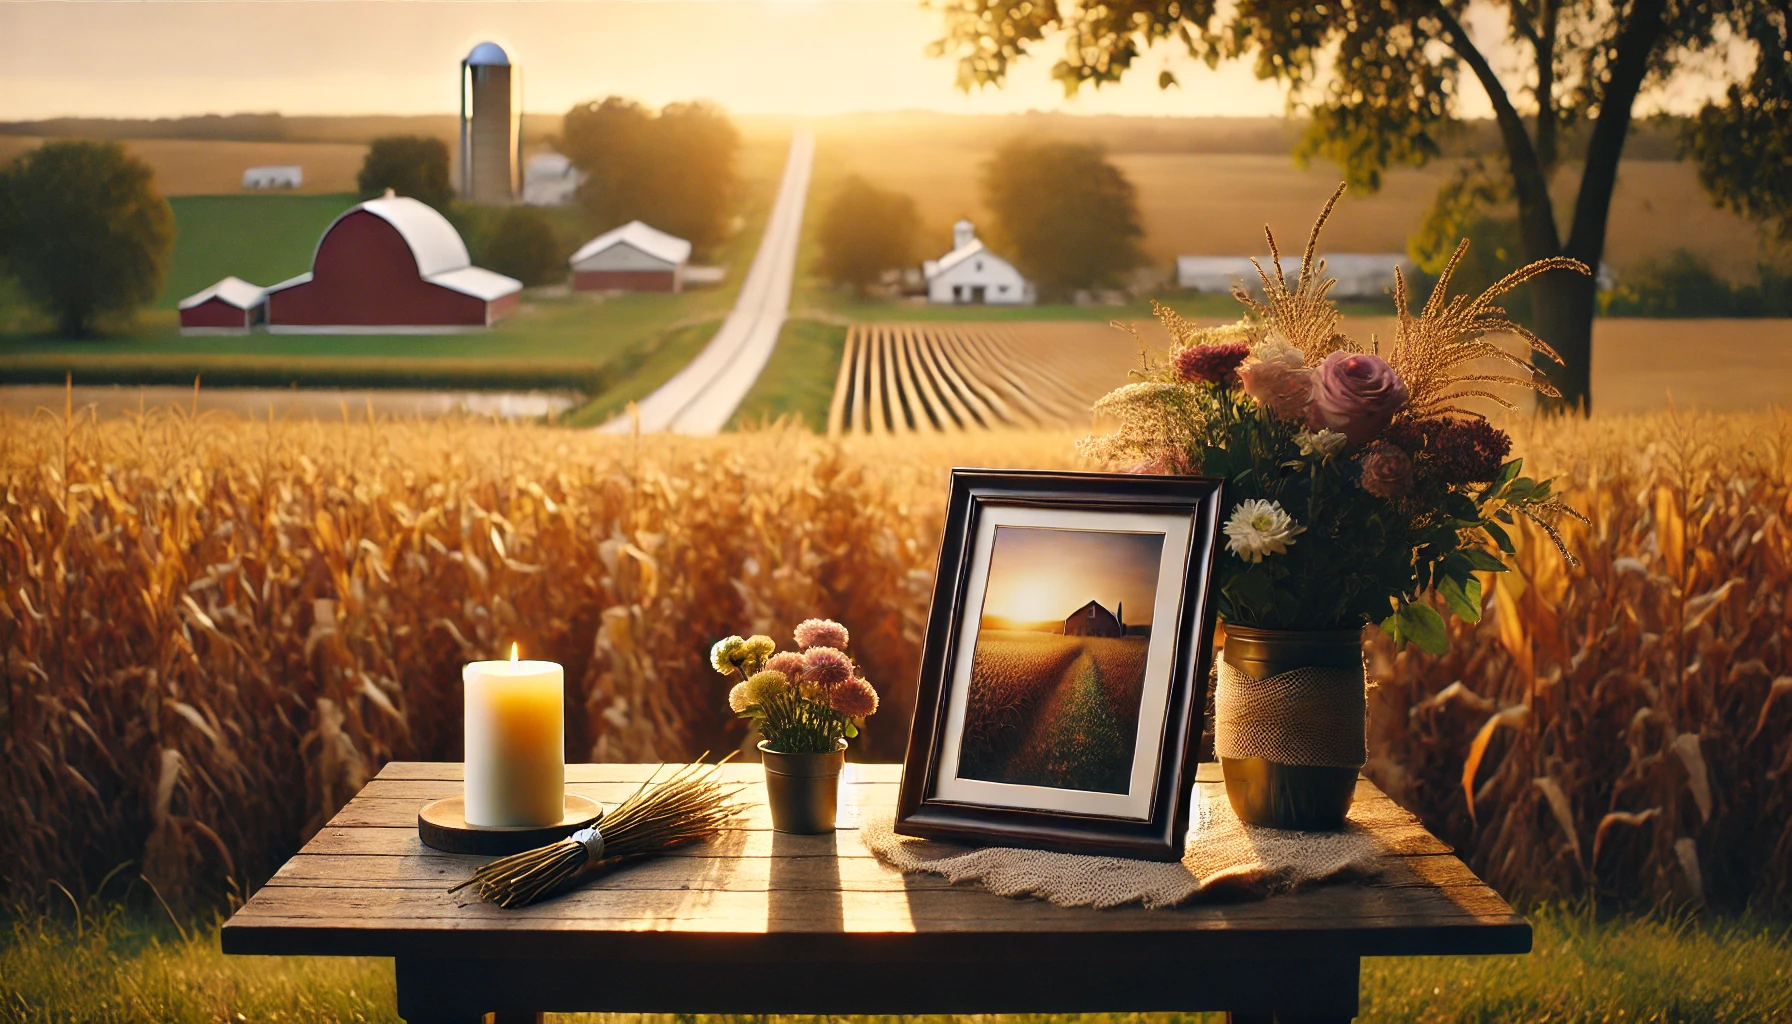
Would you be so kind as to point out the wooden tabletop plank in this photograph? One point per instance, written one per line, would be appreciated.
(720, 873)
(365, 884)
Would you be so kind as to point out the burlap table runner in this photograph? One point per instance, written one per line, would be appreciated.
(1225, 859)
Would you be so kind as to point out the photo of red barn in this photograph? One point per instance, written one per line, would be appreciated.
(390, 265)
(232, 306)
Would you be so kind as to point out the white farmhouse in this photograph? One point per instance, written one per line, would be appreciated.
(633, 258)
(971, 274)
(274, 176)
(550, 179)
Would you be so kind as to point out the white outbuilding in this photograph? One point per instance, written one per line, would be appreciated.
(550, 179)
(1359, 275)
(972, 275)
(633, 258)
(274, 176)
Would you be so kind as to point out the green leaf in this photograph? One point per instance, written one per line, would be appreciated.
(1520, 489)
(1499, 537)
(1483, 560)
(851, 730)
(1420, 624)
(1463, 595)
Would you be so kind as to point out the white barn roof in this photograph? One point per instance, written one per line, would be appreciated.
(233, 291)
(440, 254)
(650, 240)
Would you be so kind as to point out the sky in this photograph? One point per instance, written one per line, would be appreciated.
(162, 58)
(157, 58)
(1038, 575)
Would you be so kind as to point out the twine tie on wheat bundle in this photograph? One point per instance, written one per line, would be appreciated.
(1312, 715)
(690, 805)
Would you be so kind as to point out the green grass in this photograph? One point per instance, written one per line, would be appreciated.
(799, 378)
(264, 239)
(117, 971)
(644, 370)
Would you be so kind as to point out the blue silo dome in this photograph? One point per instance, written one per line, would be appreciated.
(488, 53)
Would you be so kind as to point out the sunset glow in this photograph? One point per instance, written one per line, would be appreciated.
(1038, 575)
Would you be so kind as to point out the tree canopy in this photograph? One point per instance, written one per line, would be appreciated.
(1066, 216)
(409, 165)
(84, 231)
(1381, 84)
(865, 231)
(523, 246)
(675, 170)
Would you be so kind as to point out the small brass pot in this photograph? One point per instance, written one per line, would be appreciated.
(803, 790)
(1307, 797)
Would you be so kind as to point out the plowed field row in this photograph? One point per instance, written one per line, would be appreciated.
(948, 378)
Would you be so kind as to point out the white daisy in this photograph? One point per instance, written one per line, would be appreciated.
(1257, 528)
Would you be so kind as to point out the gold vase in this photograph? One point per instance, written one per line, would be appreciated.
(1284, 793)
(803, 790)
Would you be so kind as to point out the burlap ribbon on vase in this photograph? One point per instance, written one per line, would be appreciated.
(1313, 716)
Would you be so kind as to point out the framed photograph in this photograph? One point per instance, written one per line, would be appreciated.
(1065, 669)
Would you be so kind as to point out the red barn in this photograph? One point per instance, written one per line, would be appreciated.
(232, 306)
(631, 258)
(390, 265)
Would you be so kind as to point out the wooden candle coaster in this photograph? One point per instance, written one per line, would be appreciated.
(443, 826)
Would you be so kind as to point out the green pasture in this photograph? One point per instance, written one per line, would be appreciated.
(263, 239)
(799, 378)
(107, 968)
(576, 342)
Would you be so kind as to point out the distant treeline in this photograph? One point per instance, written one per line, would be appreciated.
(359, 129)
(1656, 139)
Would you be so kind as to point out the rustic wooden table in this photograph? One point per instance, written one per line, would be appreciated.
(762, 922)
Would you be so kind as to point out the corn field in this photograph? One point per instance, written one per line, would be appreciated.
(214, 630)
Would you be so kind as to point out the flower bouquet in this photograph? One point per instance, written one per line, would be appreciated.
(1359, 489)
(807, 703)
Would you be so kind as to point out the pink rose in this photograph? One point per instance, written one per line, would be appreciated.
(1355, 394)
(1279, 381)
(1387, 471)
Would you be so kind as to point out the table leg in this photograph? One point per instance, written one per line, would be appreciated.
(424, 999)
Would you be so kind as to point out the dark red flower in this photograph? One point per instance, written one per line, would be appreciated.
(1469, 451)
(1215, 364)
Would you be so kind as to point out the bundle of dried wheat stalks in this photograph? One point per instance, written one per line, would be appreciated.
(690, 805)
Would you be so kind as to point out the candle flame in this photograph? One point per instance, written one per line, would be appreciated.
(513, 651)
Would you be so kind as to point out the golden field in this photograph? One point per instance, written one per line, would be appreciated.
(215, 630)
(187, 167)
(1194, 201)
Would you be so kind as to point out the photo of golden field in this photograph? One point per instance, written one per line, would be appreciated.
(1057, 675)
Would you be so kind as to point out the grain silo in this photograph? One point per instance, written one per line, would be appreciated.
(487, 141)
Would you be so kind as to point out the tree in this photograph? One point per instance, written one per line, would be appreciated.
(1379, 83)
(84, 231)
(523, 246)
(1067, 215)
(410, 165)
(865, 231)
(676, 170)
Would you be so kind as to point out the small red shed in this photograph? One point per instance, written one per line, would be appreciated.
(632, 258)
(390, 265)
(232, 306)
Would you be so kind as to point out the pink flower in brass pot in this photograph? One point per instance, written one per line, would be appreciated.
(854, 698)
(826, 666)
(1387, 471)
(1355, 394)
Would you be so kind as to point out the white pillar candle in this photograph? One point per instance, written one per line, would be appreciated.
(516, 742)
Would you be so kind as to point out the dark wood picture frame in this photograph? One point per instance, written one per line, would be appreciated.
(920, 811)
